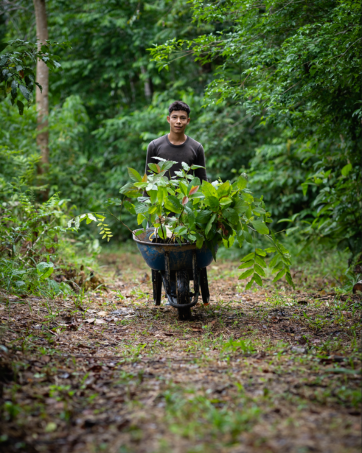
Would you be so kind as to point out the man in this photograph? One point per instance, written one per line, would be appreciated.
(176, 145)
(180, 148)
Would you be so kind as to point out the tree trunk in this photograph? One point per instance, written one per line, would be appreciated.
(42, 77)
(147, 82)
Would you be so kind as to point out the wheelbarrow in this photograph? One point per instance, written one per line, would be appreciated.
(175, 265)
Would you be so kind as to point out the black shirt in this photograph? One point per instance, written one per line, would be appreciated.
(191, 152)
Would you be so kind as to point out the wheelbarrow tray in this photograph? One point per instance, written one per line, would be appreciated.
(180, 255)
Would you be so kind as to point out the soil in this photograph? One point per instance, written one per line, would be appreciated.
(265, 370)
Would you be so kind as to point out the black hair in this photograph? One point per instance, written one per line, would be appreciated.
(179, 105)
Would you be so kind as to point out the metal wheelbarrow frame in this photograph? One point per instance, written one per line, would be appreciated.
(180, 262)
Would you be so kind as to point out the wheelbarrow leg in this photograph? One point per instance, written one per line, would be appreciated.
(204, 286)
(157, 286)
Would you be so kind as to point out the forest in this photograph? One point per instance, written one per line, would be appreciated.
(269, 360)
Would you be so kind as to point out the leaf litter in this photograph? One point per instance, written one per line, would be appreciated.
(254, 371)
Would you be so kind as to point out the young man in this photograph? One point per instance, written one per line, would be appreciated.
(176, 145)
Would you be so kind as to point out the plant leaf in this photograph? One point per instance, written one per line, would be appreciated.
(246, 274)
(134, 175)
(260, 227)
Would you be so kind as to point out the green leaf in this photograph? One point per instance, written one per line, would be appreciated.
(231, 240)
(241, 182)
(161, 194)
(126, 188)
(212, 202)
(260, 252)
(191, 219)
(25, 92)
(260, 261)
(20, 107)
(180, 230)
(270, 250)
(141, 208)
(257, 279)
(208, 189)
(44, 269)
(130, 207)
(346, 169)
(134, 175)
(154, 167)
(240, 206)
(289, 279)
(280, 265)
(248, 236)
(248, 257)
(259, 270)
(199, 242)
(279, 275)
(209, 224)
(161, 232)
(153, 195)
(260, 227)
(250, 284)
(195, 167)
(225, 202)
(140, 218)
(167, 165)
(203, 216)
(246, 274)
(246, 265)
(240, 238)
(185, 166)
(231, 215)
(224, 189)
(183, 188)
(274, 260)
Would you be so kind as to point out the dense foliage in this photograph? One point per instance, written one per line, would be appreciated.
(282, 101)
(295, 65)
(17, 75)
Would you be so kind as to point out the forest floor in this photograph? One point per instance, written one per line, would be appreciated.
(265, 370)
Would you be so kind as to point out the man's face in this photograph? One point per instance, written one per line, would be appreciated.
(178, 121)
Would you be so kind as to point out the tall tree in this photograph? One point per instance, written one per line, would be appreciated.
(42, 78)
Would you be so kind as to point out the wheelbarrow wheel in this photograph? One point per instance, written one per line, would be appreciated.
(183, 294)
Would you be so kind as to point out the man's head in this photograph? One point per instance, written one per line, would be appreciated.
(178, 116)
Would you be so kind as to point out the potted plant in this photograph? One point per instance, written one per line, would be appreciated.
(182, 209)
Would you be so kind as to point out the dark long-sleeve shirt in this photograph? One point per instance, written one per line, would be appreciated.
(191, 152)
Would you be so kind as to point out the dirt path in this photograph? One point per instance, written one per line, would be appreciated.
(253, 372)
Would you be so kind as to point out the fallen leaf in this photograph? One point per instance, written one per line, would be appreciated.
(64, 375)
(50, 427)
(90, 320)
(102, 313)
(100, 321)
(169, 334)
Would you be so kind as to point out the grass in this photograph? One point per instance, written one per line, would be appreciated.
(255, 370)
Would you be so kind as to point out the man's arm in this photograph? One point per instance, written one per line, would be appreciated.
(200, 160)
(150, 153)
